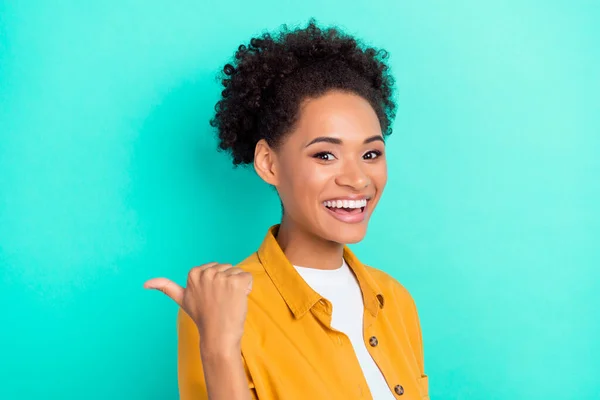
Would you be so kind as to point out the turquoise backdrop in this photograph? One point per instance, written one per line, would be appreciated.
(109, 176)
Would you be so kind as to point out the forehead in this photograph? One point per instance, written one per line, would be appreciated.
(339, 114)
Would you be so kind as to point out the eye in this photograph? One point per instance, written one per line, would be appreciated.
(324, 155)
(371, 155)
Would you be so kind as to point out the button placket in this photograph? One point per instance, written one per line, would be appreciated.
(382, 361)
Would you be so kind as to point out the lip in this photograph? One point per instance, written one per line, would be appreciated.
(351, 197)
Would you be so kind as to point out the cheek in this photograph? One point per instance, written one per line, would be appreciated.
(312, 180)
(315, 176)
(303, 184)
(379, 176)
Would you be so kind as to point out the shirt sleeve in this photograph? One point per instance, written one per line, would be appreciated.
(408, 308)
(190, 373)
(413, 327)
(418, 335)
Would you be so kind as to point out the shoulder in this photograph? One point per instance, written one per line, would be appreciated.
(251, 264)
(260, 278)
(396, 296)
(389, 285)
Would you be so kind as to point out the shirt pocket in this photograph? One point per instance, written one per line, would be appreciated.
(423, 382)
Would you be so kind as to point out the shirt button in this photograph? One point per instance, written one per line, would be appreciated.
(373, 341)
(399, 390)
(381, 300)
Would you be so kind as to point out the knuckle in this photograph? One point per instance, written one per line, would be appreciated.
(241, 278)
(210, 274)
(191, 275)
(204, 267)
(246, 275)
(224, 267)
(194, 273)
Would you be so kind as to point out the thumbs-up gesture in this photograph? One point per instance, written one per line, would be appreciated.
(216, 298)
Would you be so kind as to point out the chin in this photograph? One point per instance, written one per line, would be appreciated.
(346, 233)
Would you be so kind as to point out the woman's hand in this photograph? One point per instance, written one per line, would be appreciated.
(216, 298)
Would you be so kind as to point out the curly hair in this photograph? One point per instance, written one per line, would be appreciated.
(268, 79)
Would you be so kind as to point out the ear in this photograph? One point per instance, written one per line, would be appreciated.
(265, 162)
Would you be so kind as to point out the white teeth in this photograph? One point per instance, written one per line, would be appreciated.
(345, 203)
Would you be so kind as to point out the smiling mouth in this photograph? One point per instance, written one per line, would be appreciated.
(350, 211)
(345, 206)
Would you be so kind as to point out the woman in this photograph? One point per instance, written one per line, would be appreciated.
(303, 318)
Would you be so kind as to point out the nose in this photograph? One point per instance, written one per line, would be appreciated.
(352, 175)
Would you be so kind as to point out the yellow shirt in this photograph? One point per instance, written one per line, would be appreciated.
(289, 349)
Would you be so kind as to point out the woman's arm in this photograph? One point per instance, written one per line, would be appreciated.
(213, 308)
(224, 373)
(201, 367)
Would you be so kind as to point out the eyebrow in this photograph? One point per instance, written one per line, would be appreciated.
(332, 140)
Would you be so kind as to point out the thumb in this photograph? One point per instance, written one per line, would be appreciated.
(168, 287)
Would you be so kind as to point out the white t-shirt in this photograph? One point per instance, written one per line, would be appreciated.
(341, 288)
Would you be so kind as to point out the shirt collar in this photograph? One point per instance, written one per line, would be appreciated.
(298, 295)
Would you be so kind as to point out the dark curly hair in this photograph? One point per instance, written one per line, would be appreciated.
(269, 78)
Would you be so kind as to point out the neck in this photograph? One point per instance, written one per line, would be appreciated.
(305, 249)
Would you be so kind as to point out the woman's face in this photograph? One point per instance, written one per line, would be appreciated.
(331, 170)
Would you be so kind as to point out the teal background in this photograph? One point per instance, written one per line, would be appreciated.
(109, 176)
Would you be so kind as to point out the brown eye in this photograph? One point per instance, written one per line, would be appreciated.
(371, 155)
(324, 155)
